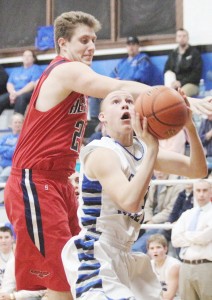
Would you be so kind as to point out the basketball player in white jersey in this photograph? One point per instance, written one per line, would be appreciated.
(115, 175)
(164, 266)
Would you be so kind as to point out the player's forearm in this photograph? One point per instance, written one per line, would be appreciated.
(134, 193)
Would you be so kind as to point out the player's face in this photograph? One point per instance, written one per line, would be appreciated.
(202, 193)
(81, 47)
(157, 251)
(6, 241)
(182, 38)
(117, 111)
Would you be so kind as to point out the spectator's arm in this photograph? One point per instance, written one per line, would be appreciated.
(200, 237)
(178, 237)
(195, 74)
(144, 71)
(204, 135)
(3, 147)
(168, 65)
(10, 87)
(8, 153)
(174, 215)
(114, 73)
(27, 88)
(163, 215)
(148, 209)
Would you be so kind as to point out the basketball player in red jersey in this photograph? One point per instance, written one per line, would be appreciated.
(39, 198)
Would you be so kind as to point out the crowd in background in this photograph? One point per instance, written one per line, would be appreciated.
(164, 204)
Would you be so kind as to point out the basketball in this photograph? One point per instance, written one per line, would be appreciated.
(165, 110)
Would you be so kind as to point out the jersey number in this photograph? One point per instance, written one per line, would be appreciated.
(77, 136)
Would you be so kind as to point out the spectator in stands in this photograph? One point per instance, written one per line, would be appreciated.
(7, 146)
(164, 266)
(8, 290)
(3, 80)
(158, 206)
(20, 84)
(193, 233)
(136, 66)
(184, 66)
(6, 249)
(184, 201)
(205, 133)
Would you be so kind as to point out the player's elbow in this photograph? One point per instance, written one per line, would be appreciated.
(200, 172)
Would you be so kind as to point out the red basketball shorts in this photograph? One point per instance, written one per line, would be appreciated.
(42, 207)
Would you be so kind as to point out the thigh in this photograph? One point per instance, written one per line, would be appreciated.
(190, 89)
(95, 270)
(41, 224)
(186, 286)
(21, 102)
(143, 281)
(204, 272)
(52, 295)
(4, 102)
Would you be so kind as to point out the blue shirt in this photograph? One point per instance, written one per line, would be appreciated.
(21, 76)
(8, 143)
(138, 68)
(182, 203)
(205, 126)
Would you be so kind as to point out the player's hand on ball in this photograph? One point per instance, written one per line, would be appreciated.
(142, 132)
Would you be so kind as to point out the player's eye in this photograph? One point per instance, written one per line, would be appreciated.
(130, 101)
(84, 41)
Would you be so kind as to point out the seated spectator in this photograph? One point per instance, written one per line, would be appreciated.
(184, 66)
(184, 201)
(3, 80)
(136, 66)
(165, 267)
(7, 146)
(205, 133)
(158, 206)
(193, 233)
(20, 84)
(8, 289)
(6, 249)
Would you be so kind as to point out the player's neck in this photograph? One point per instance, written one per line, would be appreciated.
(159, 263)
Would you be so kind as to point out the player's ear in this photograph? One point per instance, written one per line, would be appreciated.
(61, 42)
(101, 117)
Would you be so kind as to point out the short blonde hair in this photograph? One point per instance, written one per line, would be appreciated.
(158, 238)
(66, 23)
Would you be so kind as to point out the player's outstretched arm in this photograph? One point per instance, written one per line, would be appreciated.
(193, 166)
(201, 106)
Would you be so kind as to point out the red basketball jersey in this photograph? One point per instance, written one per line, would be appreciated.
(51, 140)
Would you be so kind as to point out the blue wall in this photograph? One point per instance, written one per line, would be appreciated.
(105, 66)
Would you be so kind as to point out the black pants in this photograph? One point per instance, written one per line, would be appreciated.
(20, 104)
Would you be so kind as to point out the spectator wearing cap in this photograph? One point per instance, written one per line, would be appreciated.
(136, 66)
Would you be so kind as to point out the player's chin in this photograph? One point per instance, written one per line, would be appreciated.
(87, 61)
